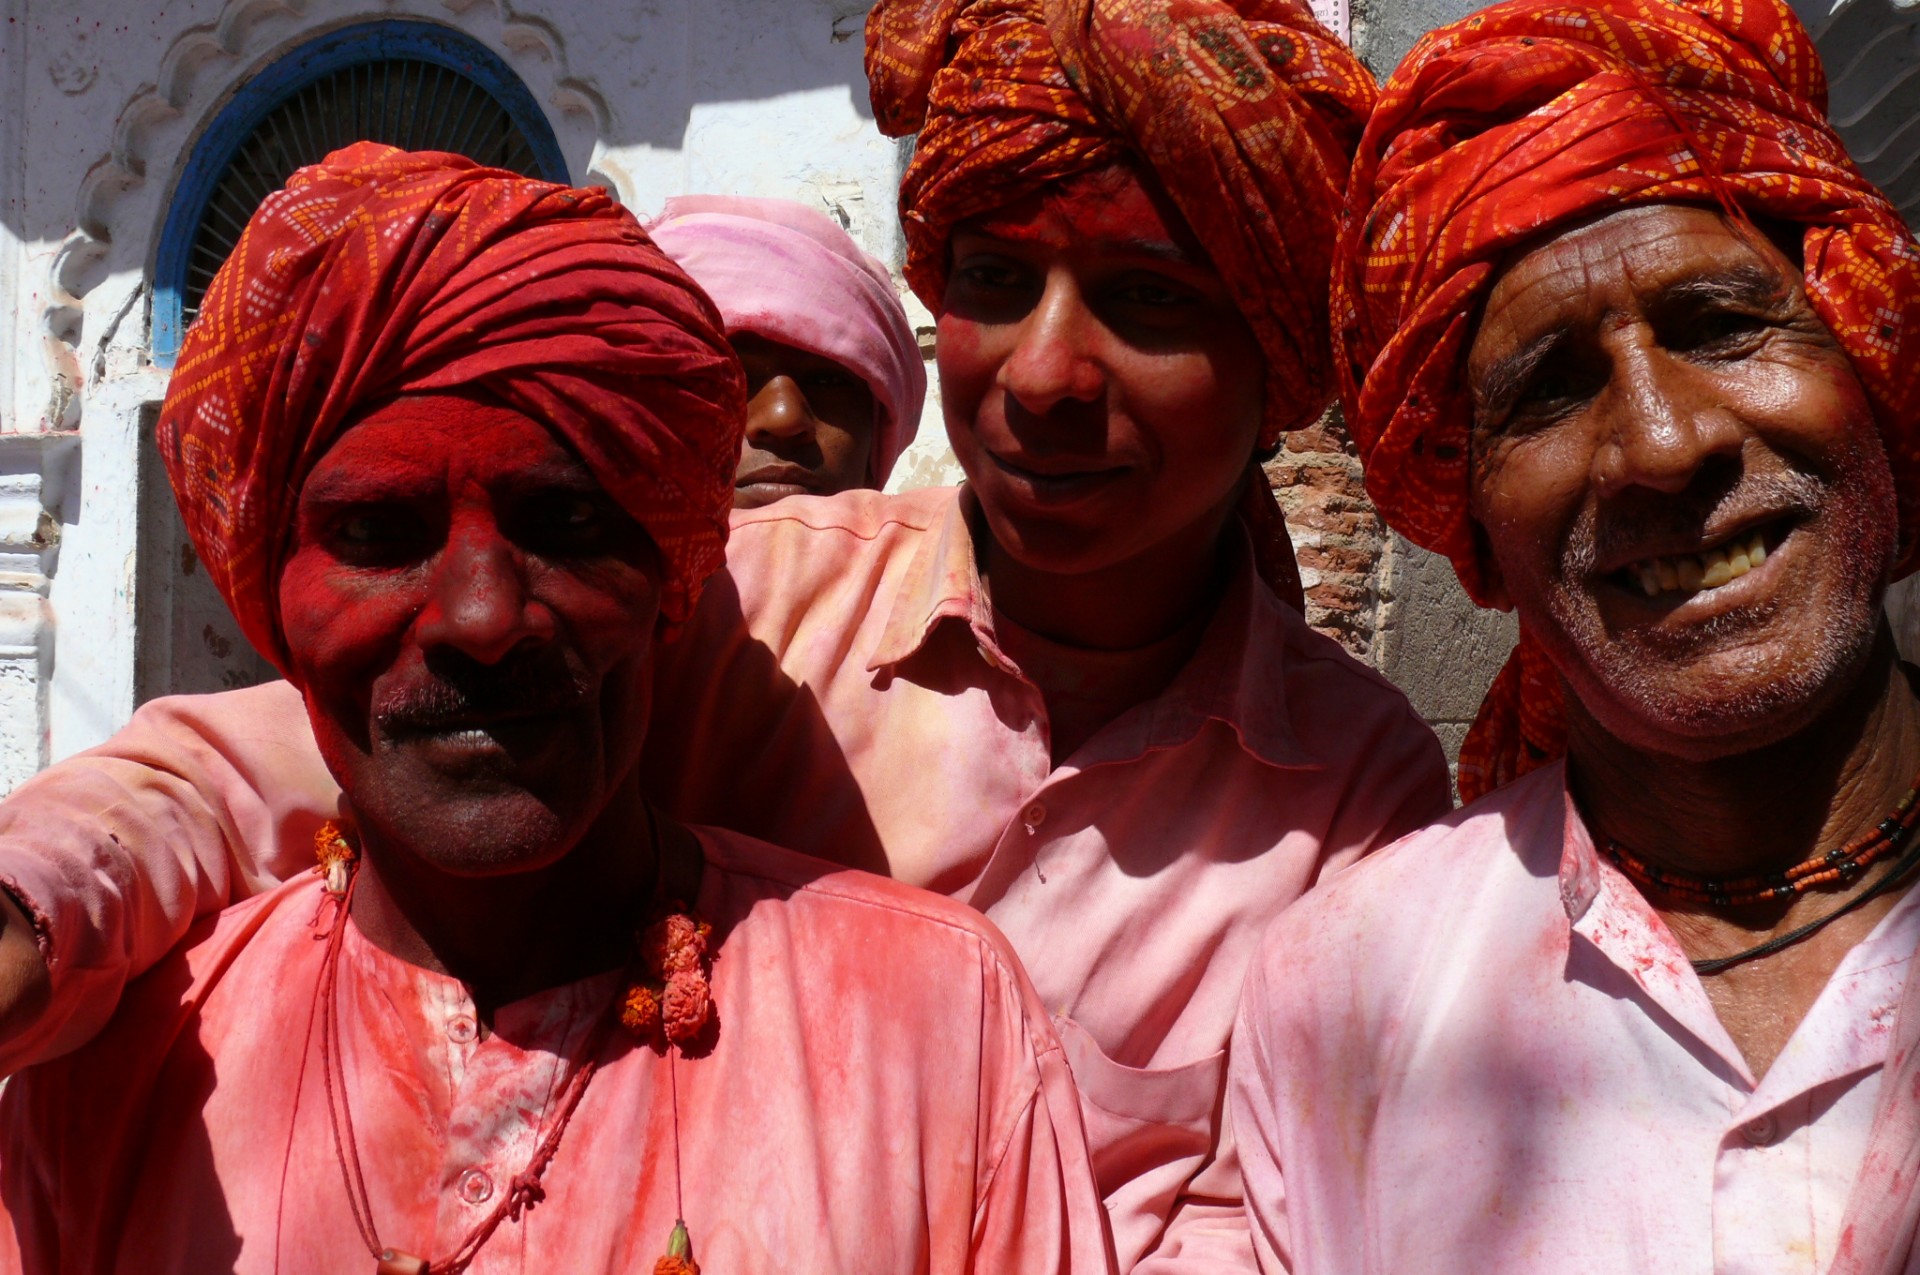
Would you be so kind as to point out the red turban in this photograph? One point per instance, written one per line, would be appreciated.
(1501, 127)
(378, 272)
(1244, 112)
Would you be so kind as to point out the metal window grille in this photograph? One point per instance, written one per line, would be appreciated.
(403, 102)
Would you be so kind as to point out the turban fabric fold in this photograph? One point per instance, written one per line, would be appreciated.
(380, 271)
(1526, 117)
(787, 272)
(1244, 113)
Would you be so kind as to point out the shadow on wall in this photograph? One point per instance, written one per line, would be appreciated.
(718, 51)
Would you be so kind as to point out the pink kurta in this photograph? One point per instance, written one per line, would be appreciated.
(884, 1096)
(1482, 1051)
(840, 691)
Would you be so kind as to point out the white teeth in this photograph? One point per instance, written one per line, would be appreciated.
(1694, 572)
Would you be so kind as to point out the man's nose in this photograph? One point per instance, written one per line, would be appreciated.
(1663, 424)
(780, 410)
(481, 601)
(1054, 358)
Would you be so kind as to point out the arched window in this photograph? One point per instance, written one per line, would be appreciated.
(415, 85)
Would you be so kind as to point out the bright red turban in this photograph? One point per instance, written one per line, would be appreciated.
(1245, 113)
(1528, 116)
(380, 271)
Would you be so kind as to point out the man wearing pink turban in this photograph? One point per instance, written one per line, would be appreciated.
(835, 380)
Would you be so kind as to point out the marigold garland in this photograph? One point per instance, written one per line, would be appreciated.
(672, 1001)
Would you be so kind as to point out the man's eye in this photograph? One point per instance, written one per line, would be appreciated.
(1721, 328)
(567, 524)
(1152, 295)
(369, 529)
(992, 276)
(375, 537)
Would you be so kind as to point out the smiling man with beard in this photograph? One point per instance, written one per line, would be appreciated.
(456, 446)
(1631, 340)
(1076, 693)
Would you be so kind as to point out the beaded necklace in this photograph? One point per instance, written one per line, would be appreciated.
(1842, 865)
(667, 1003)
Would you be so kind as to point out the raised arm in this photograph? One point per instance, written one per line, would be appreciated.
(109, 856)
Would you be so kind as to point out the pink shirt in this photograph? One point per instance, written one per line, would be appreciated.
(884, 1095)
(1482, 1051)
(840, 691)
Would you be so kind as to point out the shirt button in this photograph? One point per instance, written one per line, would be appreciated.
(461, 1029)
(1033, 816)
(1760, 1131)
(475, 1187)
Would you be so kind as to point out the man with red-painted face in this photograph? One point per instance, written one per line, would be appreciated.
(835, 381)
(1076, 693)
(456, 447)
(1631, 340)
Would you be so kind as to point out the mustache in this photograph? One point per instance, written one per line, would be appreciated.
(1620, 528)
(459, 692)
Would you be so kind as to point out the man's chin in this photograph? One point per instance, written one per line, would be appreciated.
(1714, 708)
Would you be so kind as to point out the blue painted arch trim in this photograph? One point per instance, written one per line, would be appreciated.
(257, 97)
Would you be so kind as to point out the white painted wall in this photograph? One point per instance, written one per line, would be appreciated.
(100, 103)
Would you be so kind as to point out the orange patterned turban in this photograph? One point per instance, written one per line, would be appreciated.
(1245, 112)
(380, 271)
(1527, 116)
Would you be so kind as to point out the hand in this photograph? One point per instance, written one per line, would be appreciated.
(25, 983)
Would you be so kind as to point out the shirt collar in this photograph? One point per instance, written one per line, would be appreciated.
(1579, 858)
(1236, 675)
(942, 582)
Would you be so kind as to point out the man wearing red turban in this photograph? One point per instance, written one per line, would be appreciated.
(454, 445)
(1077, 692)
(1627, 336)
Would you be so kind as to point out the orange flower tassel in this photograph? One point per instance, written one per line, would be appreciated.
(335, 855)
(679, 1258)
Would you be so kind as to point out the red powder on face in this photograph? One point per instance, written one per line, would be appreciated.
(1113, 206)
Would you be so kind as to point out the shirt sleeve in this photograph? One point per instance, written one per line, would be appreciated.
(1252, 1103)
(201, 801)
(1038, 1210)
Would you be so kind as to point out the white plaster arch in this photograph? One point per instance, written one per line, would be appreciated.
(101, 271)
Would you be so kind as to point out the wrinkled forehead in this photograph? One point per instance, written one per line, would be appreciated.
(1620, 266)
(418, 446)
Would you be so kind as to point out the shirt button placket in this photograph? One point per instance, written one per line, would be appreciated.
(1760, 1131)
(475, 1187)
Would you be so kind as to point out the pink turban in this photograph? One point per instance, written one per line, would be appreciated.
(786, 272)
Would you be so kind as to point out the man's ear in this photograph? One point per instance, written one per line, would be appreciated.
(1493, 585)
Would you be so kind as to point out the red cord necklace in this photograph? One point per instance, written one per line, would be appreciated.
(669, 1006)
